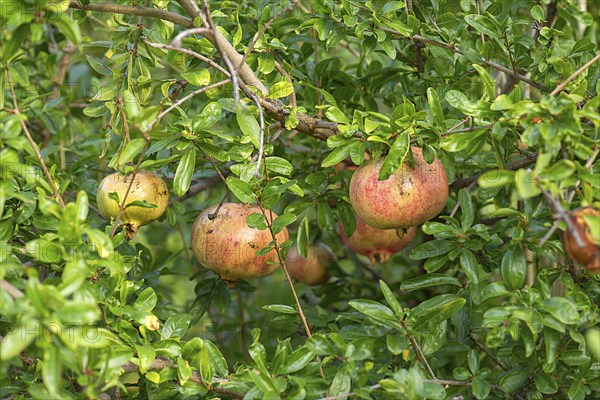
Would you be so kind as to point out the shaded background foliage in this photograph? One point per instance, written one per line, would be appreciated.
(484, 303)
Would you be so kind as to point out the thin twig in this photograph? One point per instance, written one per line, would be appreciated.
(585, 66)
(262, 32)
(186, 98)
(489, 354)
(10, 289)
(161, 363)
(233, 73)
(569, 198)
(40, 159)
(560, 211)
(418, 351)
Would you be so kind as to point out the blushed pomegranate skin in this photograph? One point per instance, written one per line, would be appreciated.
(409, 197)
(146, 187)
(312, 270)
(228, 246)
(377, 244)
(589, 254)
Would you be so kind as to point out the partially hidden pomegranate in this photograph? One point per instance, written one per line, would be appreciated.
(312, 270)
(589, 254)
(147, 187)
(377, 244)
(224, 243)
(409, 197)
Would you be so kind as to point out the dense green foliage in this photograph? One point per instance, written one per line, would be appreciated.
(483, 304)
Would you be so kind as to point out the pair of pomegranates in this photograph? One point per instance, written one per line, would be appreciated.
(388, 211)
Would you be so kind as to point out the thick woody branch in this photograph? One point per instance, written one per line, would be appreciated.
(134, 10)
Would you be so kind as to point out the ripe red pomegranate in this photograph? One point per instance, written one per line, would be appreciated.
(146, 186)
(377, 244)
(228, 246)
(312, 270)
(409, 197)
(589, 254)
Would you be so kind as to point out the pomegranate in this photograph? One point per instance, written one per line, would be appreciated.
(312, 270)
(377, 244)
(589, 254)
(224, 243)
(146, 187)
(409, 197)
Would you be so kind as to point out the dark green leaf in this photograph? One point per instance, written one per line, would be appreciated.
(514, 267)
(184, 172)
(428, 280)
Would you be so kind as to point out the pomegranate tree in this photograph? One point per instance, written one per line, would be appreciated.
(146, 201)
(409, 197)
(312, 270)
(223, 242)
(377, 244)
(588, 254)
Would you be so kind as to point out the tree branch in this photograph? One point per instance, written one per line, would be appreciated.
(511, 166)
(134, 10)
(585, 66)
(10, 289)
(161, 363)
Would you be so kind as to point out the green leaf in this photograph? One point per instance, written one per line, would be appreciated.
(175, 326)
(483, 24)
(466, 206)
(488, 84)
(67, 26)
(469, 265)
(184, 172)
(10, 47)
(593, 223)
(537, 12)
(297, 360)
(209, 116)
(562, 309)
(279, 165)
(435, 108)
(391, 299)
(481, 389)
(197, 77)
(147, 300)
(17, 340)
(436, 310)
(141, 204)
(303, 237)
(52, 370)
(98, 66)
(432, 248)
(341, 384)
(249, 125)
(184, 371)
(131, 150)
(574, 357)
(376, 311)
(496, 178)
(280, 89)
(78, 313)
(280, 308)
(525, 182)
(514, 267)
(396, 156)
(428, 280)
(146, 354)
(336, 115)
(346, 214)
(337, 155)
(216, 358)
(545, 383)
(511, 381)
(241, 189)
(282, 221)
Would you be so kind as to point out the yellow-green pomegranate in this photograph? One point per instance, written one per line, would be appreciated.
(147, 187)
(224, 243)
(312, 270)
